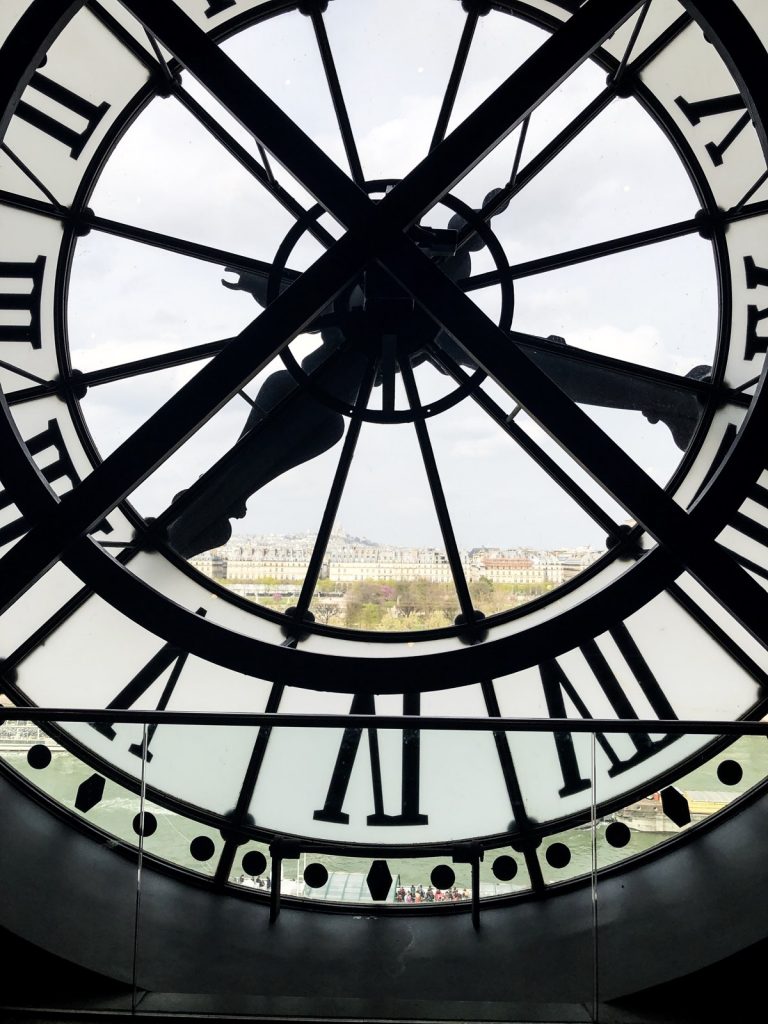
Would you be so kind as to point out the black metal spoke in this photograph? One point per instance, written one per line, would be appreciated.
(744, 212)
(39, 206)
(30, 174)
(120, 371)
(751, 191)
(136, 367)
(129, 41)
(575, 127)
(22, 373)
(334, 498)
(151, 364)
(454, 81)
(610, 247)
(585, 253)
(662, 41)
(512, 784)
(530, 447)
(743, 387)
(232, 842)
(244, 158)
(438, 497)
(638, 27)
(167, 74)
(172, 86)
(184, 247)
(33, 394)
(543, 159)
(86, 220)
(337, 96)
(519, 152)
(267, 166)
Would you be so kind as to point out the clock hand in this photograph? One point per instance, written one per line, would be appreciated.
(589, 379)
(286, 427)
(272, 442)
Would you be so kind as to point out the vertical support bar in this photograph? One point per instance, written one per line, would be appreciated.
(595, 946)
(139, 865)
(472, 854)
(274, 891)
(279, 850)
(476, 894)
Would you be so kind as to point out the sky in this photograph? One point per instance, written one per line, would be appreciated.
(652, 306)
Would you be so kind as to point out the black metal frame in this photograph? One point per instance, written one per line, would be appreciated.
(713, 507)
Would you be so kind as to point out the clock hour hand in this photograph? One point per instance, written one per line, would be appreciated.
(286, 427)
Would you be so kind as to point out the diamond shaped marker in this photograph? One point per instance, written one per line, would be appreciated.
(89, 793)
(675, 806)
(379, 880)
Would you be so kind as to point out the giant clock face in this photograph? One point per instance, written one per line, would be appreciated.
(546, 237)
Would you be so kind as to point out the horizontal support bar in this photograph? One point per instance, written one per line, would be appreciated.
(673, 727)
